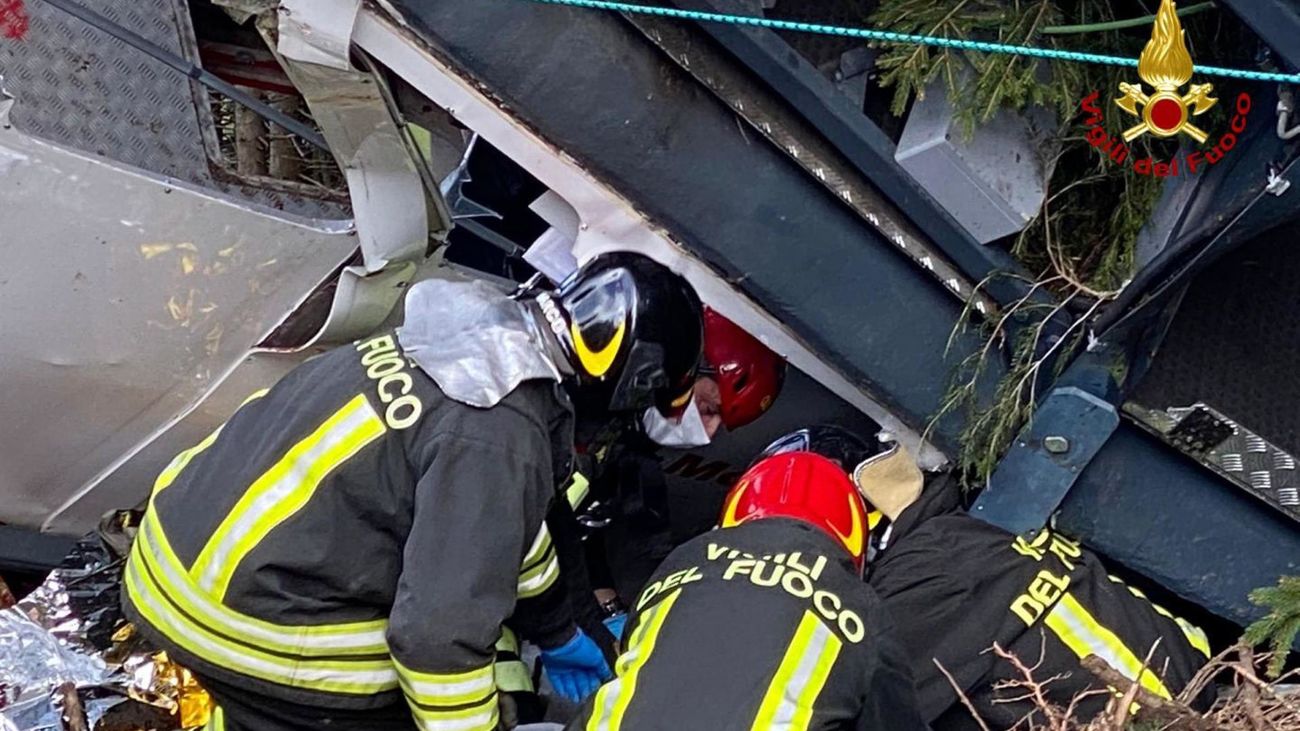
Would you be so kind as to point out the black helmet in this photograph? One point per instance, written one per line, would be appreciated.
(632, 331)
(833, 442)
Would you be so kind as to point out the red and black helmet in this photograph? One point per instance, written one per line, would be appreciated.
(748, 373)
(632, 331)
(807, 487)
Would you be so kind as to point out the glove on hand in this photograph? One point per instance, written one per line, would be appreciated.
(576, 668)
(616, 624)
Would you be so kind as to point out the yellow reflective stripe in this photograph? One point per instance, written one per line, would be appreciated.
(284, 490)
(478, 718)
(447, 689)
(353, 638)
(218, 720)
(613, 698)
(511, 676)
(538, 579)
(1195, 635)
(541, 568)
(788, 703)
(541, 544)
(577, 490)
(1085, 636)
(353, 677)
(178, 463)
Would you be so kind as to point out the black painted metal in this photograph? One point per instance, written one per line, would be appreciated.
(25, 550)
(1144, 505)
(592, 85)
(1276, 21)
(856, 137)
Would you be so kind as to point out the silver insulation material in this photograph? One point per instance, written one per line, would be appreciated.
(476, 344)
(34, 665)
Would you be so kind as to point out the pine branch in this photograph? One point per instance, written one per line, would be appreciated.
(1282, 624)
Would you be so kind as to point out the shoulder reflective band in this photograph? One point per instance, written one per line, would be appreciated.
(610, 705)
(788, 703)
(178, 463)
(283, 490)
(458, 701)
(541, 567)
(1085, 636)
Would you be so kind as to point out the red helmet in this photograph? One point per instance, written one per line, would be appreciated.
(748, 373)
(807, 487)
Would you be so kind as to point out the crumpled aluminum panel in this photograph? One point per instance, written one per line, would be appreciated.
(1230, 449)
(125, 300)
(81, 88)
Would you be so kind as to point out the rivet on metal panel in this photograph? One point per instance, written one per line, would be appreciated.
(1035, 475)
(1056, 444)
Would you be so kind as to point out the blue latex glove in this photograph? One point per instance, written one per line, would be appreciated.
(576, 668)
(616, 624)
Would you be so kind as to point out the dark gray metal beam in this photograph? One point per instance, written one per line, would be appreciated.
(593, 86)
(1276, 21)
(1161, 514)
(23, 549)
(855, 136)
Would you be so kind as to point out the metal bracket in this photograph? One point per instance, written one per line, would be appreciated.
(1047, 458)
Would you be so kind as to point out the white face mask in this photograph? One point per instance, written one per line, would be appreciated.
(688, 432)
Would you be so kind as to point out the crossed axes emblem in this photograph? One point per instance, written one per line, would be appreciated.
(1162, 102)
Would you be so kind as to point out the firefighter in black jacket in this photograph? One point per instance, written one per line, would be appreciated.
(360, 531)
(955, 585)
(764, 623)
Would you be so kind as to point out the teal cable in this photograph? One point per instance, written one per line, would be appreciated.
(905, 38)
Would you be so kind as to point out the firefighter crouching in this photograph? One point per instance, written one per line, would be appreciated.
(764, 623)
(360, 531)
(956, 585)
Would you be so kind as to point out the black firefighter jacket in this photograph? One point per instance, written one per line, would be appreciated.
(956, 585)
(353, 531)
(761, 626)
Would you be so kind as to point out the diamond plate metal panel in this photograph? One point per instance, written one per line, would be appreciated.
(1230, 449)
(79, 87)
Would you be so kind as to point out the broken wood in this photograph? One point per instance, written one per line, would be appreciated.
(1173, 714)
(7, 598)
(74, 713)
(250, 140)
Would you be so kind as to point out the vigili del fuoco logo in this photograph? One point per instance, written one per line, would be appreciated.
(1167, 111)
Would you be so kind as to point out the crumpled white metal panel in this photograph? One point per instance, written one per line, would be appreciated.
(125, 298)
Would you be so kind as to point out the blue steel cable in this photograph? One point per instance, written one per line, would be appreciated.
(904, 38)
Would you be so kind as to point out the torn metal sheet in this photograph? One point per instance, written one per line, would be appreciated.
(608, 221)
(124, 297)
(363, 300)
(388, 196)
(318, 31)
